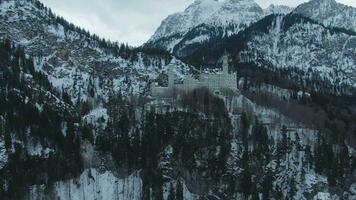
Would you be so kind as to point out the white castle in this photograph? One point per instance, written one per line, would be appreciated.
(216, 83)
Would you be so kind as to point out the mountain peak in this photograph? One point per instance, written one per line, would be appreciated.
(330, 13)
(326, 1)
(221, 17)
(277, 9)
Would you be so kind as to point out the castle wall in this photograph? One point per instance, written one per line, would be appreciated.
(159, 91)
(214, 82)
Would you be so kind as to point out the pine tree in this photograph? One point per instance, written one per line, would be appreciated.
(179, 191)
(267, 185)
(172, 194)
(246, 182)
(255, 193)
(245, 124)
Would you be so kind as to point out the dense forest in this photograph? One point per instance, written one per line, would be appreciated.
(23, 91)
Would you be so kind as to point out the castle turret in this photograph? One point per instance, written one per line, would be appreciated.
(225, 64)
(170, 77)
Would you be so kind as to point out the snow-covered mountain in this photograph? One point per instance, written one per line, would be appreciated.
(76, 61)
(277, 9)
(318, 54)
(181, 33)
(329, 13)
(294, 42)
(79, 122)
(202, 21)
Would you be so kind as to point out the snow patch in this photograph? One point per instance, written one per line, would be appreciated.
(93, 185)
(3, 153)
(98, 118)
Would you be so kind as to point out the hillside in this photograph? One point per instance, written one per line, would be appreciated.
(329, 13)
(76, 61)
(78, 121)
(323, 58)
(202, 21)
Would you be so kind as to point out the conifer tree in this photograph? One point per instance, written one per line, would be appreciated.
(172, 194)
(179, 191)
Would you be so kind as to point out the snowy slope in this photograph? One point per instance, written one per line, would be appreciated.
(212, 12)
(73, 61)
(277, 9)
(92, 185)
(95, 185)
(296, 43)
(329, 13)
(77, 64)
(3, 153)
(204, 20)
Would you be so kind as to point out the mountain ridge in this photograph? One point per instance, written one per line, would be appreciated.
(96, 133)
(329, 13)
(59, 49)
(222, 17)
(245, 42)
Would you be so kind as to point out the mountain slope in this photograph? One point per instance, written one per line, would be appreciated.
(277, 9)
(291, 42)
(88, 138)
(204, 20)
(182, 33)
(39, 127)
(296, 43)
(330, 13)
(75, 61)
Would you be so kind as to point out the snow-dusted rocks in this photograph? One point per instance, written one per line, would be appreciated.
(181, 33)
(330, 13)
(295, 42)
(277, 9)
(92, 185)
(353, 188)
(202, 21)
(3, 153)
(97, 118)
(75, 62)
(322, 196)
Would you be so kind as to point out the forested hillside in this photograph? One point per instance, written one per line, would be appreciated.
(78, 120)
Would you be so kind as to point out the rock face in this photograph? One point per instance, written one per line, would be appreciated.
(92, 185)
(75, 61)
(294, 42)
(98, 133)
(329, 13)
(202, 21)
(277, 9)
(291, 42)
(3, 154)
(182, 33)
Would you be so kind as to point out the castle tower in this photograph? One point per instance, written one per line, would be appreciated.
(170, 77)
(225, 65)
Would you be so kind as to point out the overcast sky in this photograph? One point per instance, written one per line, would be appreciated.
(131, 21)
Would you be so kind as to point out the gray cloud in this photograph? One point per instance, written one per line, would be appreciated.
(132, 21)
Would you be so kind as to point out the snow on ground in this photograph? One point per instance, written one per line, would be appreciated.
(98, 118)
(57, 31)
(322, 196)
(92, 185)
(353, 188)
(187, 195)
(198, 39)
(6, 5)
(3, 154)
(36, 149)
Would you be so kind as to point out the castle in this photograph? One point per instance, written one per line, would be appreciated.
(214, 82)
